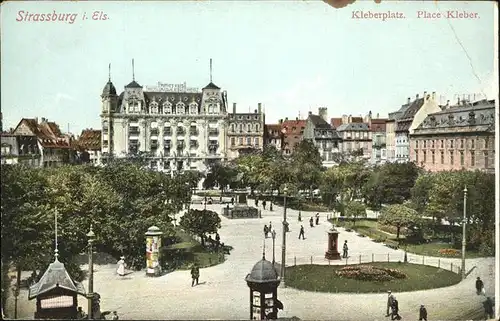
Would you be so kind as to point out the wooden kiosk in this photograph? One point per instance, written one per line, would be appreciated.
(56, 293)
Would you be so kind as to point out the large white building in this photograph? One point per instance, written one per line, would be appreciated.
(176, 128)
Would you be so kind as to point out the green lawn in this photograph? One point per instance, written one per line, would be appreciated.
(371, 229)
(322, 278)
(184, 253)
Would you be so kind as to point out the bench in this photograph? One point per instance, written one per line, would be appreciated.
(392, 244)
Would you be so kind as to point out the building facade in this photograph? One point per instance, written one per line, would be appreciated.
(293, 131)
(174, 127)
(273, 136)
(88, 146)
(356, 140)
(323, 136)
(413, 116)
(245, 131)
(379, 147)
(459, 137)
(54, 147)
(390, 131)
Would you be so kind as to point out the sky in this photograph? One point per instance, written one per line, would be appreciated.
(291, 56)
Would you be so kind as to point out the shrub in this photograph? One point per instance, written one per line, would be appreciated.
(449, 252)
(370, 273)
(486, 249)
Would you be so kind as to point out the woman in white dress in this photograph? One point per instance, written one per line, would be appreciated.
(121, 266)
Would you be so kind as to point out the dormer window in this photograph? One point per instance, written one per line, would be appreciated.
(181, 108)
(167, 108)
(133, 106)
(153, 108)
(193, 107)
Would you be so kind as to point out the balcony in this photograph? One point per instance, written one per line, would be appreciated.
(213, 131)
(180, 131)
(154, 131)
(167, 131)
(133, 130)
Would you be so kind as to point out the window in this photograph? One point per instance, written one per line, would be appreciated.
(425, 143)
(233, 141)
(451, 143)
(256, 127)
(442, 143)
(167, 108)
(232, 127)
(433, 157)
(249, 127)
(472, 159)
(461, 143)
(425, 156)
(249, 141)
(194, 108)
(416, 156)
(473, 143)
(153, 108)
(181, 108)
(486, 160)
(256, 141)
(442, 157)
(432, 143)
(240, 126)
(241, 141)
(416, 145)
(462, 157)
(452, 158)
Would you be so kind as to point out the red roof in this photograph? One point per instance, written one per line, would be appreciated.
(90, 139)
(294, 127)
(378, 124)
(336, 122)
(48, 133)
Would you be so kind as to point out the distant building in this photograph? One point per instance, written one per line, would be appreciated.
(324, 137)
(390, 131)
(413, 116)
(54, 147)
(379, 146)
(273, 136)
(246, 131)
(459, 137)
(293, 130)
(88, 146)
(356, 140)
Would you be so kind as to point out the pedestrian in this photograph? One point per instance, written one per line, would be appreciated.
(270, 226)
(301, 233)
(195, 274)
(264, 204)
(390, 299)
(395, 310)
(479, 286)
(300, 217)
(232, 200)
(256, 202)
(271, 206)
(217, 239)
(80, 314)
(265, 231)
(120, 270)
(317, 218)
(115, 316)
(311, 221)
(345, 249)
(488, 308)
(422, 314)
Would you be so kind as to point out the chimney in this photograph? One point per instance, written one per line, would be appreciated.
(234, 108)
(310, 112)
(286, 118)
(378, 116)
(259, 107)
(417, 96)
(409, 100)
(36, 119)
(297, 119)
(323, 113)
(280, 121)
(425, 94)
(433, 95)
(349, 120)
(255, 111)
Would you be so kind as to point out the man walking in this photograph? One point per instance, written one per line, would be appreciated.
(395, 310)
(266, 230)
(317, 218)
(479, 286)
(264, 204)
(311, 222)
(345, 249)
(195, 274)
(390, 300)
(488, 308)
(301, 233)
(422, 314)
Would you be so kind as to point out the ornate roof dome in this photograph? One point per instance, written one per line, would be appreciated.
(263, 272)
(109, 89)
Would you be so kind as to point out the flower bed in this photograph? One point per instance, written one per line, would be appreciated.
(370, 273)
(449, 252)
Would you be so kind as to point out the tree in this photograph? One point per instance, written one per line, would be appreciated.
(355, 210)
(201, 222)
(399, 216)
(420, 191)
(306, 166)
(221, 175)
(329, 186)
(351, 179)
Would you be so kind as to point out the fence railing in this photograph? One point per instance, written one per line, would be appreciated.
(442, 263)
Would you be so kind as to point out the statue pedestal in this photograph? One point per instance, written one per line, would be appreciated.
(332, 253)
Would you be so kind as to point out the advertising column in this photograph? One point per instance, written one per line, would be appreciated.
(153, 245)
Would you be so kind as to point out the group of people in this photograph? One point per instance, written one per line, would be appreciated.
(488, 304)
(393, 308)
(311, 224)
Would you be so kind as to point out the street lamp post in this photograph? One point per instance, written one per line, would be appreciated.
(273, 234)
(283, 248)
(91, 237)
(464, 222)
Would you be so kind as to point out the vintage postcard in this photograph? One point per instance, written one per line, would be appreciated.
(250, 160)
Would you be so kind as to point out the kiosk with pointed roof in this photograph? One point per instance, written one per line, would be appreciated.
(263, 282)
(56, 292)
